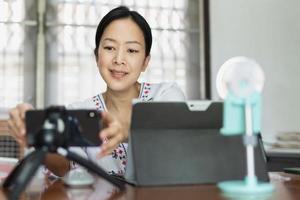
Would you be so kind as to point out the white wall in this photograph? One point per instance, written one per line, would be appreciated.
(269, 32)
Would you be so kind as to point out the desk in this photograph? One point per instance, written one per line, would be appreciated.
(284, 190)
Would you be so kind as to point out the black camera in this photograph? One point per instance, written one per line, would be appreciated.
(61, 127)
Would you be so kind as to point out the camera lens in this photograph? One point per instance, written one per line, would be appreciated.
(92, 114)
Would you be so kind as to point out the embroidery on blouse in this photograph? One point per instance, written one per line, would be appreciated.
(145, 91)
(98, 103)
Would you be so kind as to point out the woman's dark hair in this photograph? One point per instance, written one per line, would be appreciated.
(119, 13)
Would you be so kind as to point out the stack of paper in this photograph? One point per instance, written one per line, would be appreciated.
(284, 142)
(289, 140)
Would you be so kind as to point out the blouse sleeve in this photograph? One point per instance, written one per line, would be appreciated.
(169, 92)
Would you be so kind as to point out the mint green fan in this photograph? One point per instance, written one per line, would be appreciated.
(240, 81)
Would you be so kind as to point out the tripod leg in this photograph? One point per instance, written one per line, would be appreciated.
(91, 166)
(23, 173)
(9, 180)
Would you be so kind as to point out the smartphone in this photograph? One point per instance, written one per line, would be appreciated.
(83, 127)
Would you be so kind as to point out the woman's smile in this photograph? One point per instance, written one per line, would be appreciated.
(118, 74)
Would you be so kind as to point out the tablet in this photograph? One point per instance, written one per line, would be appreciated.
(175, 143)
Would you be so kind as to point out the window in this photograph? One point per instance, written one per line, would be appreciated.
(17, 57)
(69, 72)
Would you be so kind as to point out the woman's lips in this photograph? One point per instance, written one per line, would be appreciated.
(118, 74)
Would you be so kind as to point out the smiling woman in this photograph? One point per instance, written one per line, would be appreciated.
(123, 43)
(122, 56)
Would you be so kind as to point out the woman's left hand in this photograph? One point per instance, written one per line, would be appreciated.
(112, 135)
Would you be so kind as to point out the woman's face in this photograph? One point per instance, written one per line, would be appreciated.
(121, 54)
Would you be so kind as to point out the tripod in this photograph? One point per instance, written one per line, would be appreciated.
(54, 137)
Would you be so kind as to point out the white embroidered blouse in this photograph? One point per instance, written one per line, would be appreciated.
(116, 162)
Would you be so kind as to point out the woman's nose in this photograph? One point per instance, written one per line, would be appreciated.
(119, 58)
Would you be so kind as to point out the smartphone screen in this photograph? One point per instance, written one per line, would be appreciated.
(83, 127)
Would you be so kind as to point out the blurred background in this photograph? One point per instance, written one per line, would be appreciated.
(47, 47)
(46, 50)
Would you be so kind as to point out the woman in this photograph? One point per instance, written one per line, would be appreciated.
(123, 43)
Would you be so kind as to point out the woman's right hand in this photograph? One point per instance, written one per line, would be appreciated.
(16, 122)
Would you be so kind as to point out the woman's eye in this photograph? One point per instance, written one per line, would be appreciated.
(108, 48)
(132, 51)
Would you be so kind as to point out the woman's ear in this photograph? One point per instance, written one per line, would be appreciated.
(146, 62)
